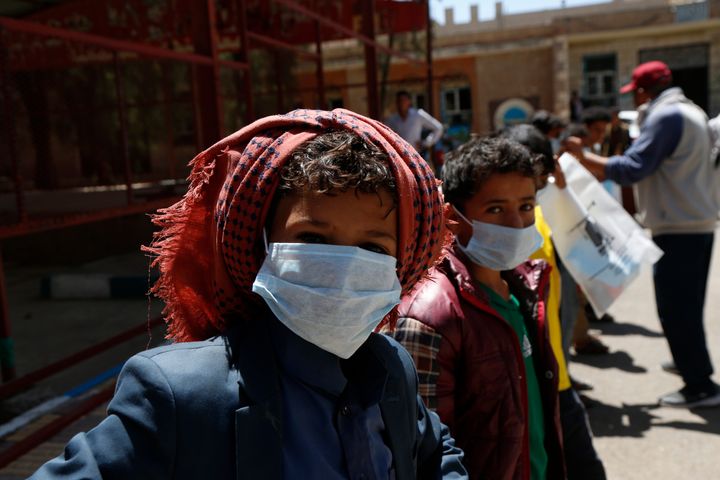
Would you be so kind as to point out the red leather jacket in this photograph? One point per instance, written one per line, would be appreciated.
(471, 367)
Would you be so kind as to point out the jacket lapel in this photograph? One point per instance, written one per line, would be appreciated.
(398, 417)
(258, 426)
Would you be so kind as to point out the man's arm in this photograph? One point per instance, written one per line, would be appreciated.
(658, 140)
(430, 123)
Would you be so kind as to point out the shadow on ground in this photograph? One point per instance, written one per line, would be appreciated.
(623, 421)
(710, 416)
(634, 420)
(618, 329)
(618, 359)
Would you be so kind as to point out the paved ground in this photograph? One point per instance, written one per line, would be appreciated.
(45, 330)
(636, 439)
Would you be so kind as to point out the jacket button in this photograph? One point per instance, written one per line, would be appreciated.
(345, 410)
(549, 375)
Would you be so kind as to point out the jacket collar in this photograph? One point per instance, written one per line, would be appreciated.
(525, 281)
(529, 283)
(305, 362)
(671, 95)
(258, 426)
(394, 408)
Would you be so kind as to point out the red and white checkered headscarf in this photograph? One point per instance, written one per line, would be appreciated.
(209, 247)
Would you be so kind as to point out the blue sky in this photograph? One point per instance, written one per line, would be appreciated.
(487, 7)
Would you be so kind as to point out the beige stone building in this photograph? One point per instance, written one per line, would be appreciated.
(492, 72)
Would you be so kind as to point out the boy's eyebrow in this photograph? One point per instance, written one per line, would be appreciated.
(314, 222)
(372, 233)
(505, 200)
(380, 234)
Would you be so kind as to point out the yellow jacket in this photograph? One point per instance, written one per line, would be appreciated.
(547, 253)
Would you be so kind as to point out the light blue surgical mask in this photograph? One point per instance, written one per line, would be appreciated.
(332, 296)
(500, 248)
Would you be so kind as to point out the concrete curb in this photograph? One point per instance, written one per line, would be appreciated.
(73, 286)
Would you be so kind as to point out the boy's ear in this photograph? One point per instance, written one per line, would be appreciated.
(451, 219)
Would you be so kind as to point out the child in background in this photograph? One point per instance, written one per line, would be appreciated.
(295, 240)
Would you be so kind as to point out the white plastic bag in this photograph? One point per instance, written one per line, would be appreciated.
(600, 244)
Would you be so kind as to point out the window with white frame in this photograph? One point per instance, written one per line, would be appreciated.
(600, 79)
(456, 105)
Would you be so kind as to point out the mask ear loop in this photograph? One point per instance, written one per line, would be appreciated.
(462, 216)
(466, 220)
(265, 240)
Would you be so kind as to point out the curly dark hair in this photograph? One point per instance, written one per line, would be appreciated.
(535, 142)
(467, 167)
(337, 161)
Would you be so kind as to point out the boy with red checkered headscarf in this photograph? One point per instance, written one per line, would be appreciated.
(295, 240)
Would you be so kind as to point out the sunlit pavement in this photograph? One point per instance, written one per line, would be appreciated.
(637, 439)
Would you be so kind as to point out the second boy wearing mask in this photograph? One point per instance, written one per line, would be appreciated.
(477, 330)
(581, 459)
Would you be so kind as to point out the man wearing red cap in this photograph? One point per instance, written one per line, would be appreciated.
(670, 166)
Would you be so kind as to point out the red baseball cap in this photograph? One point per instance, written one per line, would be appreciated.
(647, 75)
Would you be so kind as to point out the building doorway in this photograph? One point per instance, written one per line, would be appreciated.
(694, 82)
(689, 65)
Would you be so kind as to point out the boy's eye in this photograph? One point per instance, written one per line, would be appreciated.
(527, 207)
(308, 237)
(373, 247)
(495, 209)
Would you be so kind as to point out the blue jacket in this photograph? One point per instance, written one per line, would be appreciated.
(212, 410)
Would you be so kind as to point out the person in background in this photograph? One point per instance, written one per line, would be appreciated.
(410, 122)
(671, 167)
(581, 459)
(276, 372)
(576, 106)
(476, 328)
(617, 139)
(551, 126)
(596, 121)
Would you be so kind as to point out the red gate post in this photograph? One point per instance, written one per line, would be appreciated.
(206, 80)
(10, 134)
(122, 117)
(7, 352)
(319, 68)
(430, 104)
(278, 83)
(371, 59)
(245, 57)
(168, 118)
(428, 60)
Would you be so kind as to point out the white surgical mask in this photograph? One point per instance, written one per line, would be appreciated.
(330, 295)
(498, 247)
